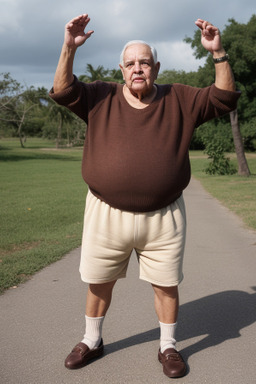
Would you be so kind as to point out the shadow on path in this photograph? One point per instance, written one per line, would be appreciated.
(218, 317)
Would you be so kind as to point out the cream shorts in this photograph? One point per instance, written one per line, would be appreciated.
(110, 235)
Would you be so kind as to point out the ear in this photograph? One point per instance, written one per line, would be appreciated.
(122, 70)
(157, 68)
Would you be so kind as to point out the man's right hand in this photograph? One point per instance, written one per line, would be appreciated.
(75, 35)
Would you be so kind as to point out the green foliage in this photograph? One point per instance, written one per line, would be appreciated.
(100, 73)
(240, 42)
(173, 76)
(31, 112)
(215, 130)
(18, 107)
(220, 165)
(248, 130)
(93, 74)
(8, 86)
(199, 50)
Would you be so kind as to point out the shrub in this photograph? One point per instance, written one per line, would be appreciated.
(212, 130)
(220, 165)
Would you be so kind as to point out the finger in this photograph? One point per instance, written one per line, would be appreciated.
(80, 21)
(88, 34)
(84, 20)
(206, 24)
(212, 28)
(199, 23)
(78, 24)
(80, 18)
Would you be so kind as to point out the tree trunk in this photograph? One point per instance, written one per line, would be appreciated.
(20, 130)
(22, 136)
(59, 131)
(243, 169)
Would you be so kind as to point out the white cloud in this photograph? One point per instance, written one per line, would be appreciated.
(177, 55)
(31, 31)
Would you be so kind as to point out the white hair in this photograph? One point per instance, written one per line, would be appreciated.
(132, 42)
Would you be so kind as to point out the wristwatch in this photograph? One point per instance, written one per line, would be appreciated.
(221, 59)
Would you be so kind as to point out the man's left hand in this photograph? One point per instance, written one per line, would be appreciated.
(210, 36)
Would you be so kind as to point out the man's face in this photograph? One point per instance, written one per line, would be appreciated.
(139, 70)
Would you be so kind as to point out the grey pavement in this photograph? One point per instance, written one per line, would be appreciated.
(44, 318)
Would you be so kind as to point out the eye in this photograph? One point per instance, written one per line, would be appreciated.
(145, 64)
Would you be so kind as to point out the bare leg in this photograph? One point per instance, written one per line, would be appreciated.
(166, 303)
(99, 299)
(167, 306)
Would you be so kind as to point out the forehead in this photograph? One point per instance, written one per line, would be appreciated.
(137, 51)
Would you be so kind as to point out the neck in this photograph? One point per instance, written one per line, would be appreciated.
(145, 98)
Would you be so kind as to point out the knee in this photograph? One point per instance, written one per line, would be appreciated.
(101, 290)
(163, 292)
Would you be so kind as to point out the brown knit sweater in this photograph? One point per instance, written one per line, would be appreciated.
(137, 159)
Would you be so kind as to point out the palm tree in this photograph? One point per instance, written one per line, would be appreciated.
(100, 73)
(61, 115)
(94, 74)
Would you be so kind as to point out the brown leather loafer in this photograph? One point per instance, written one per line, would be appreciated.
(81, 354)
(172, 362)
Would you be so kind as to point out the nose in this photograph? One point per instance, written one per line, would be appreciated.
(137, 67)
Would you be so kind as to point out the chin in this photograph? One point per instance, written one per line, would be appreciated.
(140, 87)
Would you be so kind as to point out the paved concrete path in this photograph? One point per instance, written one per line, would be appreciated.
(42, 319)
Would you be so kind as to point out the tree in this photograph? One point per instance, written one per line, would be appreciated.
(115, 75)
(16, 104)
(100, 73)
(62, 116)
(93, 74)
(8, 88)
(239, 41)
(173, 76)
(9, 91)
(32, 112)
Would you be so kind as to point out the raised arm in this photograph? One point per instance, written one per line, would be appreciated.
(211, 40)
(74, 37)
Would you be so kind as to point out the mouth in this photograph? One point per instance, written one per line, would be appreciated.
(138, 80)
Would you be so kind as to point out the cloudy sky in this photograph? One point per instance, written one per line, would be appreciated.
(31, 32)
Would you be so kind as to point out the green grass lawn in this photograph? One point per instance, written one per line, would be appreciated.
(42, 203)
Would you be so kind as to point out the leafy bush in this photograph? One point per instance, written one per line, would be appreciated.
(211, 131)
(220, 165)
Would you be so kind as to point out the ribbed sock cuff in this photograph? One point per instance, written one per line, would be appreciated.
(93, 331)
(167, 336)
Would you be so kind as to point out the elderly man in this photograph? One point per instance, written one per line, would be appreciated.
(136, 165)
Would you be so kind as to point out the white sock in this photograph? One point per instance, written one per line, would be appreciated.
(93, 331)
(167, 336)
